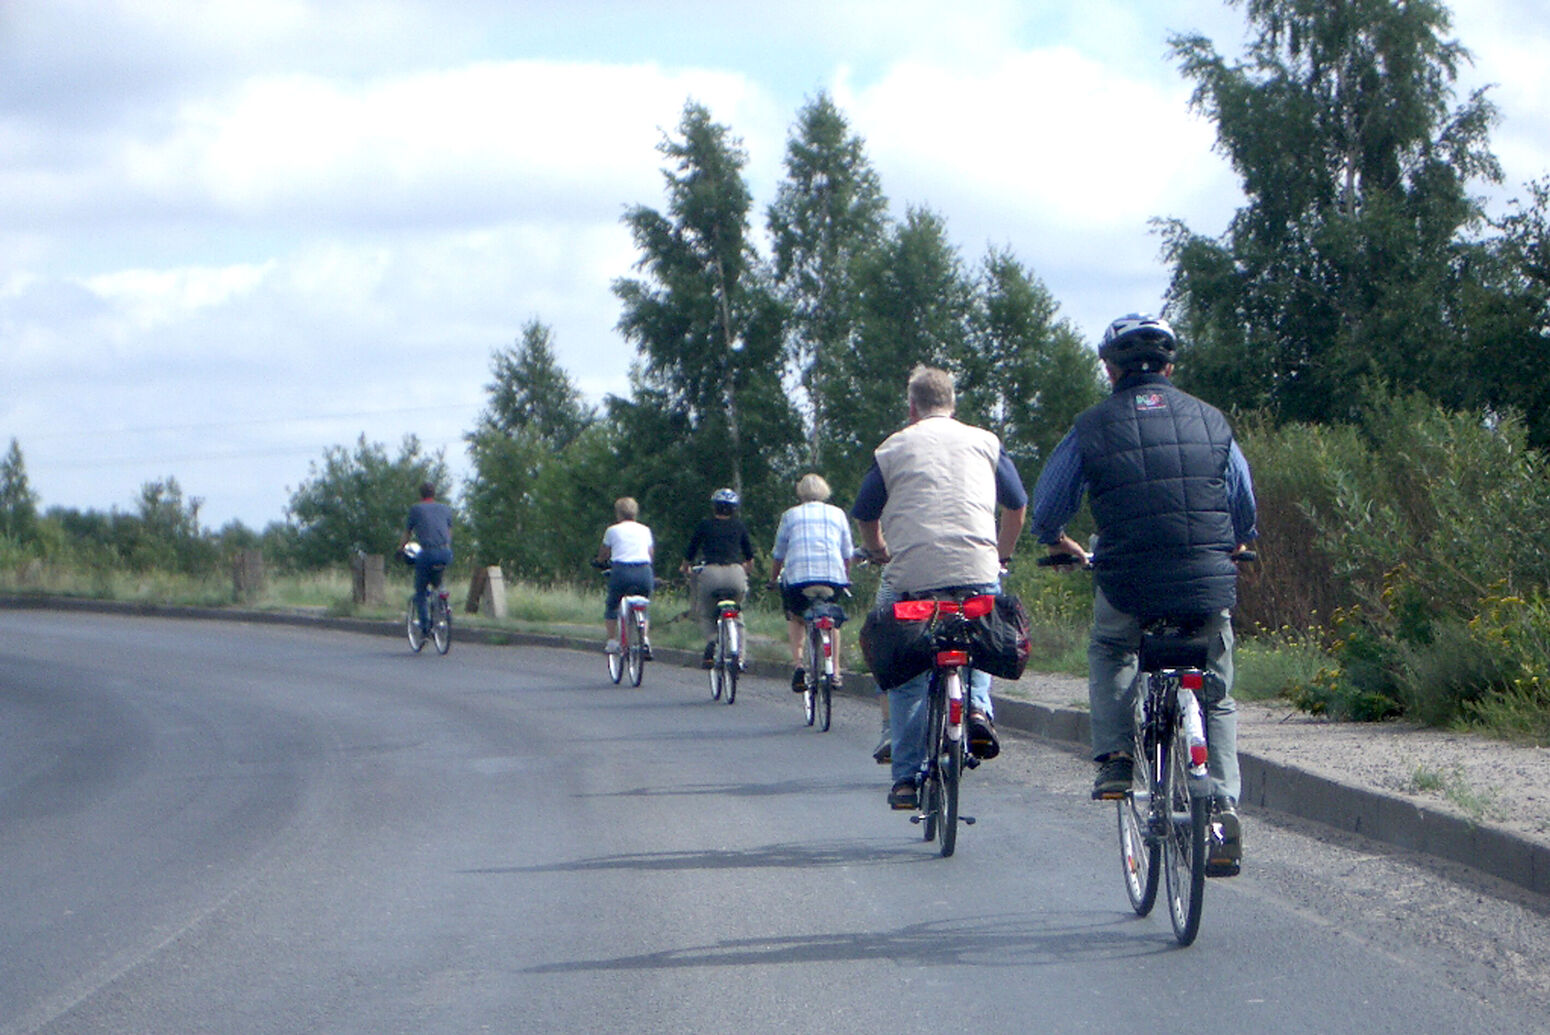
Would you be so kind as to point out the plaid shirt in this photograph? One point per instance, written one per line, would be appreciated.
(812, 543)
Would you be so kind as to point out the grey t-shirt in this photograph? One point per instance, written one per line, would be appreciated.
(431, 524)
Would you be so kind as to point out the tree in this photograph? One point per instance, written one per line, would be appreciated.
(532, 391)
(18, 503)
(1356, 166)
(914, 307)
(356, 502)
(1509, 319)
(534, 414)
(705, 322)
(828, 213)
(1029, 371)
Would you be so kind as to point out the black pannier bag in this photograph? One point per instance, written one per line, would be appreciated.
(897, 650)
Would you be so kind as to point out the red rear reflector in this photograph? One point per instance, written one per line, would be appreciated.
(955, 711)
(978, 607)
(1192, 681)
(950, 658)
(1198, 754)
(826, 623)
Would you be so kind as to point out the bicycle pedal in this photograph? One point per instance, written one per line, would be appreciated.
(971, 761)
(1108, 796)
(967, 820)
(917, 818)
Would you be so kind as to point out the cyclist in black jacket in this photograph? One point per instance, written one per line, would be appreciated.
(1173, 501)
(723, 543)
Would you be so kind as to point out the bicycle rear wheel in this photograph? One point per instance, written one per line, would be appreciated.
(730, 658)
(1184, 845)
(635, 658)
(825, 685)
(412, 627)
(950, 768)
(810, 674)
(441, 624)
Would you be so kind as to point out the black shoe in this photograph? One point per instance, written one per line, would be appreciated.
(799, 681)
(709, 661)
(882, 754)
(645, 651)
(904, 796)
(1115, 773)
(1224, 848)
(982, 736)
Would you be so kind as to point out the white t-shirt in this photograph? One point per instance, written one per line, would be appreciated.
(628, 542)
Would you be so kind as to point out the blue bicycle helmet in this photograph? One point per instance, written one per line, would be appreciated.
(1138, 341)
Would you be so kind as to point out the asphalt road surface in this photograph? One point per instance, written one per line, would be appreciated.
(217, 827)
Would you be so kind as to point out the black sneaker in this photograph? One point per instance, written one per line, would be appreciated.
(1115, 773)
(1224, 846)
(799, 681)
(645, 650)
(709, 661)
(904, 796)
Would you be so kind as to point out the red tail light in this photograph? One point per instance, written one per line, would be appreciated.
(952, 658)
(1192, 680)
(826, 623)
(978, 607)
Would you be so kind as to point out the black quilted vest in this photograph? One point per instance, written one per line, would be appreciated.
(1155, 461)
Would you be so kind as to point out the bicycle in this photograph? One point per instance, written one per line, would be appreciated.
(631, 658)
(820, 657)
(1165, 827)
(438, 607)
(947, 757)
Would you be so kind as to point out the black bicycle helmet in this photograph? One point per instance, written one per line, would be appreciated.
(1138, 341)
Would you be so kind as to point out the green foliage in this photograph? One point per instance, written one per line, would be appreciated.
(532, 393)
(18, 503)
(829, 213)
(357, 502)
(1352, 257)
(1028, 374)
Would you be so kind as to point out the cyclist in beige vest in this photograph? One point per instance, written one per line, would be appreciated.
(928, 507)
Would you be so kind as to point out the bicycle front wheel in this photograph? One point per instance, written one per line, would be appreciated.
(412, 628)
(441, 625)
(1138, 854)
(1184, 843)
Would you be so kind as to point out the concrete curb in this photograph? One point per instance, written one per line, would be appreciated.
(1268, 785)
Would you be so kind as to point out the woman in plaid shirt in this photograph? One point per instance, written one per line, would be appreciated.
(813, 547)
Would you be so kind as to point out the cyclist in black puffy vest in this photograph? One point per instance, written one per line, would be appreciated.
(1173, 500)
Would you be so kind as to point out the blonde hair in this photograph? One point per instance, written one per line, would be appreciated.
(931, 391)
(626, 509)
(812, 488)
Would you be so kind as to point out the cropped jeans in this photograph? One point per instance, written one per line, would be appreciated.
(1112, 663)
(907, 703)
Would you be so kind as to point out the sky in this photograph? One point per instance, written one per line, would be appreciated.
(236, 234)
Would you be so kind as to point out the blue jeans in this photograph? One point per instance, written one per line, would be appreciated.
(424, 577)
(907, 703)
(1111, 691)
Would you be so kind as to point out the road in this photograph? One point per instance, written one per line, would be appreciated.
(209, 826)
